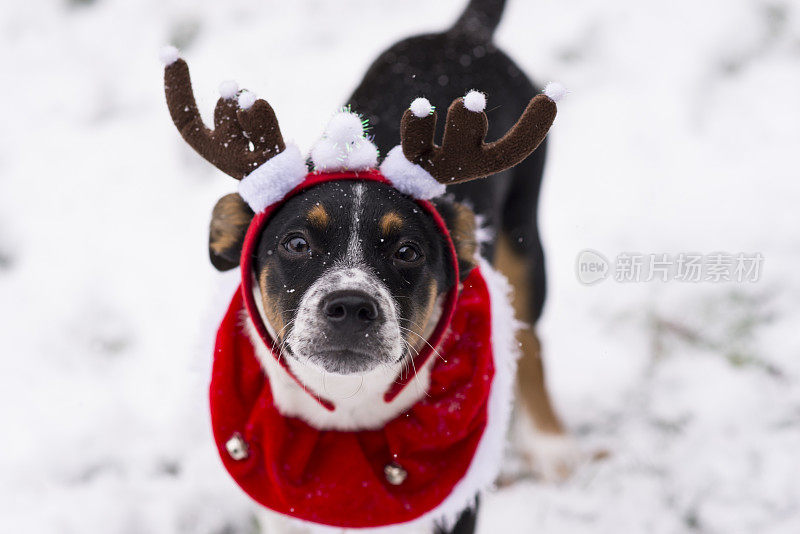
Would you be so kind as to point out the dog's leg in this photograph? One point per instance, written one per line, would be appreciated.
(551, 452)
(545, 446)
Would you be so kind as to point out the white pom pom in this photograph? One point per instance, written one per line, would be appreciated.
(362, 155)
(327, 154)
(475, 101)
(555, 91)
(343, 145)
(344, 127)
(420, 107)
(228, 89)
(169, 55)
(247, 99)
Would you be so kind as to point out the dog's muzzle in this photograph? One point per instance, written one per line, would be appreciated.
(347, 323)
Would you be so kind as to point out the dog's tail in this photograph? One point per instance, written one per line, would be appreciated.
(479, 20)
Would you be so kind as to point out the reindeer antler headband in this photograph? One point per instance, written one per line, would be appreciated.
(246, 142)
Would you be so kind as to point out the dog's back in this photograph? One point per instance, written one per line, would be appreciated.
(442, 67)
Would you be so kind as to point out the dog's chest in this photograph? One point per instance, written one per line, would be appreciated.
(358, 399)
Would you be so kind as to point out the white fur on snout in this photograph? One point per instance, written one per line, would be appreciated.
(358, 397)
(309, 334)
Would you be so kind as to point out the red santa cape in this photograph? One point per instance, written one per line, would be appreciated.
(426, 464)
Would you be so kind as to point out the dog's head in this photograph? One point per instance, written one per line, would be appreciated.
(351, 274)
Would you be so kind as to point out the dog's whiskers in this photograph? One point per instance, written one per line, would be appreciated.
(283, 341)
(413, 366)
(410, 348)
(405, 365)
(435, 351)
(416, 378)
(358, 390)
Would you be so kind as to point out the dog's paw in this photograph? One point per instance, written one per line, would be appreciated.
(545, 457)
(554, 457)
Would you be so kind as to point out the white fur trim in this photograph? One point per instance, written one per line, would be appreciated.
(410, 178)
(271, 181)
(247, 99)
(475, 101)
(421, 107)
(228, 89)
(486, 463)
(555, 91)
(343, 145)
(169, 55)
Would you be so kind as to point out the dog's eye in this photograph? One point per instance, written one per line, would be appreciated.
(408, 253)
(296, 244)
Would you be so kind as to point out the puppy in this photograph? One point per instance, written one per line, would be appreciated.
(351, 275)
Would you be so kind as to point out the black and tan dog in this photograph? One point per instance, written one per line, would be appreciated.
(351, 275)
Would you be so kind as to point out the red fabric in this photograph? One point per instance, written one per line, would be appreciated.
(249, 251)
(336, 478)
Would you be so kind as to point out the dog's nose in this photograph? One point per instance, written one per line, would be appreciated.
(348, 309)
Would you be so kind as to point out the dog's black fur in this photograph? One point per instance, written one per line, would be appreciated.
(442, 67)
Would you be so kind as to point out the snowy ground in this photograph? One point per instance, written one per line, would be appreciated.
(681, 135)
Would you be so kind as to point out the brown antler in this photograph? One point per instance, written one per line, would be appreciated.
(463, 155)
(227, 146)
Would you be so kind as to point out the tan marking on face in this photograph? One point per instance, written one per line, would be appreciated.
(422, 319)
(318, 216)
(530, 368)
(390, 222)
(270, 306)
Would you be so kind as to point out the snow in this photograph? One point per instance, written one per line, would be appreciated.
(680, 135)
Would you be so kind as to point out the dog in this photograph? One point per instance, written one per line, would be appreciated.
(351, 277)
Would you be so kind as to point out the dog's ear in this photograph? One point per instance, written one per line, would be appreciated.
(460, 220)
(229, 222)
